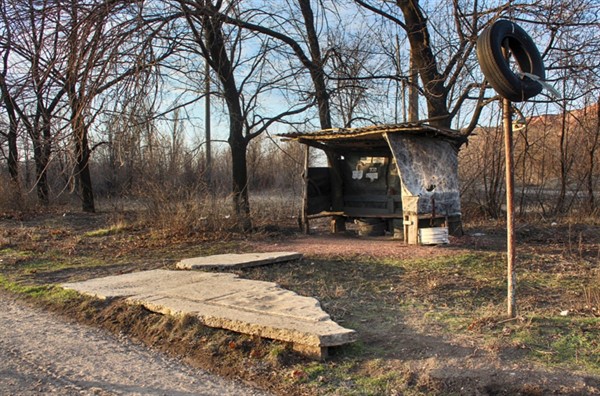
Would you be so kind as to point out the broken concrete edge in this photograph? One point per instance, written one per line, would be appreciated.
(318, 348)
(312, 352)
(285, 334)
(265, 258)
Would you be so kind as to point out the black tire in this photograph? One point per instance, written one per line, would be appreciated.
(497, 69)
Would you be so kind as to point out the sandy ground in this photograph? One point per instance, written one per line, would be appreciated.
(43, 354)
(348, 246)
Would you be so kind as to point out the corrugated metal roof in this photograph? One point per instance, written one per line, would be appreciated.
(350, 133)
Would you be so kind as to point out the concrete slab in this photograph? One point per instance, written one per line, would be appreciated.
(226, 301)
(237, 260)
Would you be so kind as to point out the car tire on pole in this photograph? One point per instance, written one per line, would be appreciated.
(496, 68)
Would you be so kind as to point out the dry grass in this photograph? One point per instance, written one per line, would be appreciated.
(14, 199)
(591, 296)
(196, 211)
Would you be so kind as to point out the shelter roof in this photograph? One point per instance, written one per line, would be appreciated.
(370, 137)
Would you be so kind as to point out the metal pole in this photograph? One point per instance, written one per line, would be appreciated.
(207, 124)
(510, 210)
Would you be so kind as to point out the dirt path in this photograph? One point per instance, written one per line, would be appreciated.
(44, 354)
(348, 246)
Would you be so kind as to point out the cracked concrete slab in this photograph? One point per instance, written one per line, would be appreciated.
(243, 260)
(226, 301)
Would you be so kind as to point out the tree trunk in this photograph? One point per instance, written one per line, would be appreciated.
(13, 153)
(316, 69)
(11, 136)
(592, 161)
(207, 127)
(82, 158)
(436, 93)
(41, 138)
(237, 142)
(239, 186)
(322, 96)
(41, 165)
(238, 145)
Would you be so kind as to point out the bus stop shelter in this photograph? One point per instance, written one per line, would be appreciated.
(404, 176)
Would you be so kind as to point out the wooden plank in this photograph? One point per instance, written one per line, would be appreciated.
(357, 214)
(372, 198)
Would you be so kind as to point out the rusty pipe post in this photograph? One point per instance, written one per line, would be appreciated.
(510, 209)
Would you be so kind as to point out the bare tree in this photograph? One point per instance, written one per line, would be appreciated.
(31, 51)
(441, 46)
(592, 129)
(61, 51)
(276, 26)
(107, 43)
(223, 48)
(91, 53)
(354, 98)
(7, 100)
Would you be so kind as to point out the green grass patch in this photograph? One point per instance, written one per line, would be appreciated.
(102, 232)
(41, 264)
(50, 262)
(451, 320)
(355, 377)
(46, 293)
(474, 263)
(566, 342)
(13, 253)
(384, 384)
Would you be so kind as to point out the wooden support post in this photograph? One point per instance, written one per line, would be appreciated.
(338, 223)
(510, 210)
(411, 228)
(304, 223)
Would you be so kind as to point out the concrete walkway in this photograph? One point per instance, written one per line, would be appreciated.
(226, 301)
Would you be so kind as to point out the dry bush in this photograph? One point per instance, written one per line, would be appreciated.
(13, 198)
(176, 210)
(275, 209)
(9, 195)
(179, 210)
(592, 298)
(556, 166)
(481, 170)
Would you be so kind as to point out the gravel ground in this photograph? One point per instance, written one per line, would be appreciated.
(41, 353)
